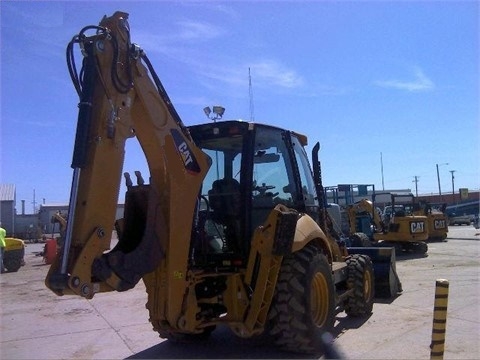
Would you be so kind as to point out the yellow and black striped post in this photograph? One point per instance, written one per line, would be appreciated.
(439, 319)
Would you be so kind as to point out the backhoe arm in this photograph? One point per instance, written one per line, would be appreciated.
(364, 205)
(119, 100)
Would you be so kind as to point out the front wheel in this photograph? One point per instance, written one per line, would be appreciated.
(360, 279)
(303, 307)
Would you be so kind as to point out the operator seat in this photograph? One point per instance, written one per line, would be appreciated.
(224, 199)
(225, 202)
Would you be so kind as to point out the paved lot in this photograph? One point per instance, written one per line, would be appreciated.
(36, 324)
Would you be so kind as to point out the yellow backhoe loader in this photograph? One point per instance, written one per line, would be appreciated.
(230, 229)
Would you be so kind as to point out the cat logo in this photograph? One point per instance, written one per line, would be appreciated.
(185, 152)
(417, 227)
(439, 224)
(189, 160)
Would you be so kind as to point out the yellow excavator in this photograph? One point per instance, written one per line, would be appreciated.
(59, 219)
(399, 227)
(436, 218)
(231, 227)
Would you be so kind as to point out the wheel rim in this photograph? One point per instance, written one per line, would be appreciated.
(367, 281)
(319, 300)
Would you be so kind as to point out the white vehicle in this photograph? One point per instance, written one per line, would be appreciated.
(454, 219)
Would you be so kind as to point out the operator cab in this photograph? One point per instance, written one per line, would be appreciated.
(254, 168)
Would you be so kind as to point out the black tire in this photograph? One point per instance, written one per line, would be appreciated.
(416, 247)
(400, 247)
(421, 248)
(303, 307)
(361, 280)
(360, 240)
(12, 264)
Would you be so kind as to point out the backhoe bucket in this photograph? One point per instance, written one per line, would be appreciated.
(387, 283)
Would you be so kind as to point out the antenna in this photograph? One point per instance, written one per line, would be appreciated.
(381, 165)
(250, 94)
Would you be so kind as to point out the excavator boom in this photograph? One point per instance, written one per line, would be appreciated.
(364, 206)
(119, 100)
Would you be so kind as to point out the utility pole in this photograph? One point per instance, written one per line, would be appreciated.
(438, 179)
(416, 184)
(34, 202)
(453, 185)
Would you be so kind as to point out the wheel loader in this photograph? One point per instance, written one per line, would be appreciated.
(229, 229)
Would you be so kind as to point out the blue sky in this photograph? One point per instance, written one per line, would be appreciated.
(397, 80)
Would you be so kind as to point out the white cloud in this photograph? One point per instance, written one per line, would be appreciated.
(271, 72)
(194, 30)
(179, 37)
(264, 73)
(420, 82)
(214, 68)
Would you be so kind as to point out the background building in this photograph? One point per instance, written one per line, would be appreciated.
(7, 207)
(32, 226)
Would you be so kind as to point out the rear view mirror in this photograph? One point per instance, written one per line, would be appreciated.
(262, 157)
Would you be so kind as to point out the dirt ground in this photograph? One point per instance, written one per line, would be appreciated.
(36, 324)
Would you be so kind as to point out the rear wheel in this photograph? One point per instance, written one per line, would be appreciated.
(303, 307)
(360, 278)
